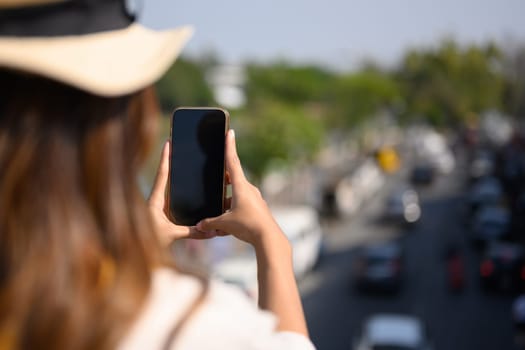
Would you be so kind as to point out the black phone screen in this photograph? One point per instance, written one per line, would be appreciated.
(196, 165)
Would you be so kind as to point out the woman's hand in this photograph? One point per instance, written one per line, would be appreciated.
(166, 230)
(250, 220)
(248, 217)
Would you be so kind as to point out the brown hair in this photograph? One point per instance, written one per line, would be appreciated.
(77, 245)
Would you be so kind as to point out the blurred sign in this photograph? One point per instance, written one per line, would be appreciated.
(388, 159)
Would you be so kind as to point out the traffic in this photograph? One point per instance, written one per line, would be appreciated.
(417, 250)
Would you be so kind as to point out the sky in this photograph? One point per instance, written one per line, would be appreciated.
(341, 34)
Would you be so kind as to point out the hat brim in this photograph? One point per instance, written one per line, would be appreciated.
(108, 63)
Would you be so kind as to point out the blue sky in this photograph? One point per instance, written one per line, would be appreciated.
(334, 32)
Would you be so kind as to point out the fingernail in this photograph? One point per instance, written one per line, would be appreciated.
(199, 226)
(232, 132)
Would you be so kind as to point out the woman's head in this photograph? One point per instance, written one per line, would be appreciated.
(76, 121)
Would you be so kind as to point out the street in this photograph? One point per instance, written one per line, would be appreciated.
(471, 319)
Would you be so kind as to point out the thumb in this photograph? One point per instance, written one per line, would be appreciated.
(217, 223)
(233, 164)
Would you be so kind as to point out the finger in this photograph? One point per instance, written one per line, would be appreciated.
(227, 178)
(178, 232)
(157, 195)
(168, 233)
(183, 232)
(216, 223)
(233, 164)
(204, 235)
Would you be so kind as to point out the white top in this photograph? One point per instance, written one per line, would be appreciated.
(227, 319)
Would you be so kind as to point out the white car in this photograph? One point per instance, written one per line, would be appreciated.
(358, 187)
(392, 331)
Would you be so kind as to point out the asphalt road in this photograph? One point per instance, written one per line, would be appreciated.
(469, 320)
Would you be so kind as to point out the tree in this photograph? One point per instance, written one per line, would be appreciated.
(277, 133)
(287, 83)
(282, 118)
(447, 85)
(184, 85)
(357, 96)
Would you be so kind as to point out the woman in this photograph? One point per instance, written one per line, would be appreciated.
(83, 261)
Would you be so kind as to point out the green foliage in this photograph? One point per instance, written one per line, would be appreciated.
(447, 85)
(287, 83)
(358, 96)
(277, 132)
(184, 85)
(281, 120)
(290, 107)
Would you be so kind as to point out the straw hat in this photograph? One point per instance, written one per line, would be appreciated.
(94, 45)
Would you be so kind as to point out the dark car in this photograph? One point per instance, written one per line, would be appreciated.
(402, 206)
(503, 268)
(518, 319)
(491, 223)
(422, 174)
(481, 165)
(378, 268)
(485, 192)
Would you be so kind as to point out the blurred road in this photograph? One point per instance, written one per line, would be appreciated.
(468, 320)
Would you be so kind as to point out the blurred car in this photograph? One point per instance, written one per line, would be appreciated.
(444, 161)
(518, 215)
(502, 267)
(432, 147)
(490, 223)
(358, 187)
(393, 332)
(422, 174)
(486, 191)
(402, 206)
(378, 268)
(518, 312)
(518, 319)
(481, 165)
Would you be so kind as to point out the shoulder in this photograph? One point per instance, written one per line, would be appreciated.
(227, 318)
(170, 295)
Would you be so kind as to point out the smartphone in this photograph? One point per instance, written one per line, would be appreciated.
(197, 184)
